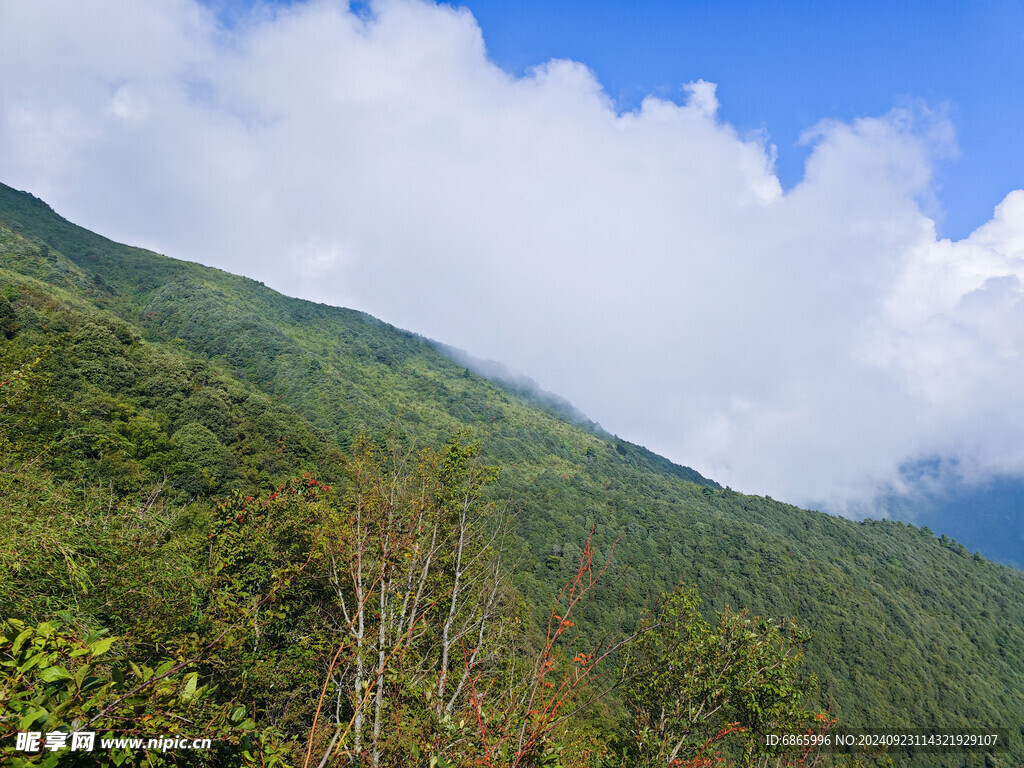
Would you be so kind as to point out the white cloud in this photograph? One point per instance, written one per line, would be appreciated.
(645, 265)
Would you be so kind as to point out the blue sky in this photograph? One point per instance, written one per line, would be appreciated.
(782, 67)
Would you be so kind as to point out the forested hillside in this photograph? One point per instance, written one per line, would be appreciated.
(152, 409)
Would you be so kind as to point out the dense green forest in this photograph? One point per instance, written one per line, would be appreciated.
(192, 463)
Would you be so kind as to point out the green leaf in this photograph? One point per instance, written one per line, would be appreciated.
(101, 646)
(52, 674)
(32, 661)
(91, 682)
(188, 691)
(19, 640)
(31, 716)
(95, 635)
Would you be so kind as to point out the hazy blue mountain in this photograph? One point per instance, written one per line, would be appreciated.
(986, 516)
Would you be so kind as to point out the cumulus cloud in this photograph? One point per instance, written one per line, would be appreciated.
(647, 265)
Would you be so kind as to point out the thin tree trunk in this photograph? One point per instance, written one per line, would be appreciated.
(446, 639)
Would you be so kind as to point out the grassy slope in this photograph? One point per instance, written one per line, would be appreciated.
(907, 631)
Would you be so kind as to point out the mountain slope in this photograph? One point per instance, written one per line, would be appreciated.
(908, 631)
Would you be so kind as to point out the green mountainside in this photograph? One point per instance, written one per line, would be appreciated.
(125, 371)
